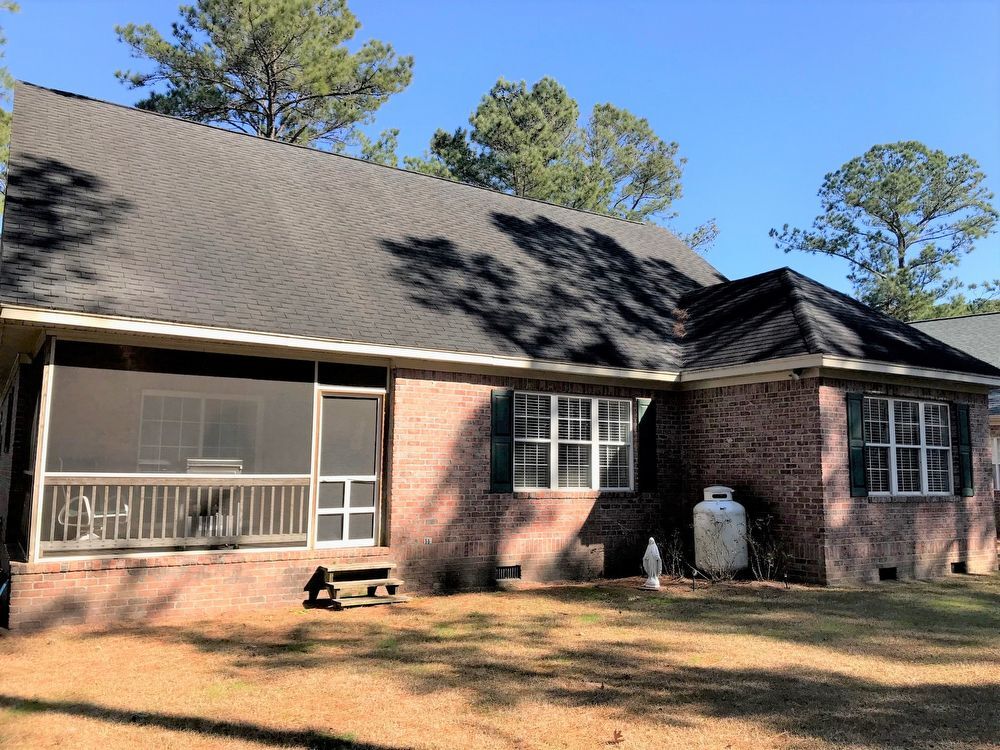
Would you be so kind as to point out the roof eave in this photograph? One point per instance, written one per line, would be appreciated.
(411, 356)
(400, 355)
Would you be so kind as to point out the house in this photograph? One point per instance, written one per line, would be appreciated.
(978, 335)
(230, 360)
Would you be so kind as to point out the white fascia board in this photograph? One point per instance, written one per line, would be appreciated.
(410, 356)
(799, 362)
(526, 365)
(888, 368)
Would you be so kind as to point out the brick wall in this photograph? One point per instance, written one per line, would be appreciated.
(781, 445)
(995, 433)
(919, 537)
(764, 441)
(438, 490)
(448, 530)
(122, 590)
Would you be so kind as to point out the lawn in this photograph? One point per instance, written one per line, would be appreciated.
(576, 666)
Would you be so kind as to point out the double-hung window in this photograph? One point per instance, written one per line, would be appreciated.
(907, 447)
(572, 442)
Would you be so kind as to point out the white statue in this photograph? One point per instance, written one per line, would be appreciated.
(652, 565)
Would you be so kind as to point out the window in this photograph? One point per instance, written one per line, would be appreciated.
(907, 447)
(176, 427)
(572, 442)
(532, 440)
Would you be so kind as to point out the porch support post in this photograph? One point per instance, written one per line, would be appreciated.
(41, 444)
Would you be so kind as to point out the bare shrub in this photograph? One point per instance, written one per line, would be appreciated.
(768, 557)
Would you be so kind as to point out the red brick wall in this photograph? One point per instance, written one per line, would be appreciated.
(781, 445)
(121, 590)
(763, 440)
(995, 433)
(919, 537)
(438, 490)
(449, 531)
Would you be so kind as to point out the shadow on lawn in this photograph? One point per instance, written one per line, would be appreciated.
(945, 620)
(505, 657)
(211, 727)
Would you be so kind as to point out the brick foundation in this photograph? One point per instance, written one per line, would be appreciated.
(121, 590)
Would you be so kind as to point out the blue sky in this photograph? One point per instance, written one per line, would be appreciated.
(764, 98)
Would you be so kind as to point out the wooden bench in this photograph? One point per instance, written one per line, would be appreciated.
(356, 584)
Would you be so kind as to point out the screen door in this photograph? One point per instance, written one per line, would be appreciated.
(347, 507)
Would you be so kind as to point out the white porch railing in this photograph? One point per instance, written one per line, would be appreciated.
(91, 514)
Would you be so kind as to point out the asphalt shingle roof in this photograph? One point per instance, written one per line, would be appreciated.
(783, 313)
(116, 211)
(979, 335)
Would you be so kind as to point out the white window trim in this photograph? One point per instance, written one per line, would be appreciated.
(892, 445)
(595, 444)
(203, 397)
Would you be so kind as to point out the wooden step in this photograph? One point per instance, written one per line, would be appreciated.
(367, 582)
(374, 565)
(367, 601)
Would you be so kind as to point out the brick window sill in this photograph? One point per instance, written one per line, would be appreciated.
(913, 498)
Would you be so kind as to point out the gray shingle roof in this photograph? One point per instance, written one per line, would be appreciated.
(117, 211)
(979, 335)
(783, 313)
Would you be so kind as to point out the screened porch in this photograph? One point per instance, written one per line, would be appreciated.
(153, 450)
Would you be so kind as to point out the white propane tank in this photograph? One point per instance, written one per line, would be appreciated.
(720, 532)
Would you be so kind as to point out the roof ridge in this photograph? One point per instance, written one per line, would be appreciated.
(63, 92)
(809, 335)
(952, 317)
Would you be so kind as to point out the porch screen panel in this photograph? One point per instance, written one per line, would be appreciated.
(126, 410)
(350, 426)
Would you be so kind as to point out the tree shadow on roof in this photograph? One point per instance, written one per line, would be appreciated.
(570, 294)
(52, 210)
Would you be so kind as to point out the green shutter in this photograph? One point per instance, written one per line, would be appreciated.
(502, 441)
(646, 409)
(856, 444)
(964, 451)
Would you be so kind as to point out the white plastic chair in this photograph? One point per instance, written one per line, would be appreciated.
(77, 513)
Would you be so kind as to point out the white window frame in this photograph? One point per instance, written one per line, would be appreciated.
(892, 445)
(203, 397)
(594, 442)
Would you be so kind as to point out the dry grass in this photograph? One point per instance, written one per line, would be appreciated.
(737, 666)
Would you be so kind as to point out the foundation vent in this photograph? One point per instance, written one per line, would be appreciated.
(888, 574)
(508, 572)
(960, 568)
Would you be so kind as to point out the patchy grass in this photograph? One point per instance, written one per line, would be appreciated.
(577, 666)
